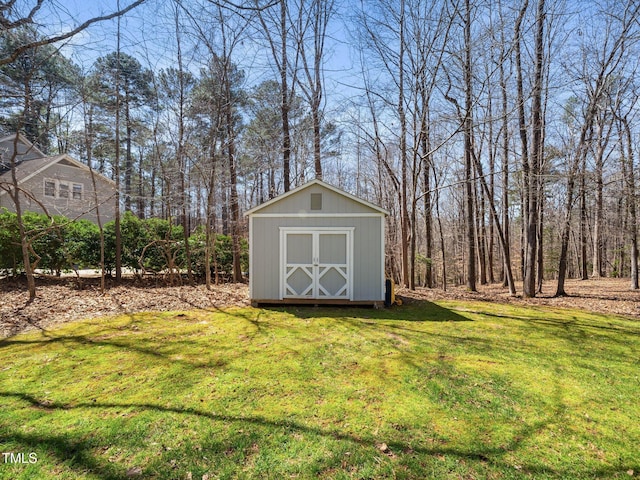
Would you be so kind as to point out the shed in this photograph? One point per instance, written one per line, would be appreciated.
(316, 244)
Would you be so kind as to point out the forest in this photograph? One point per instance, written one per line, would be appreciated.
(501, 136)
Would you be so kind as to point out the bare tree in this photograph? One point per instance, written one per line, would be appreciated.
(311, 33)
(534, 170)
(276, 30)
(10, 19)
(181, 157)
(630, 187)
(620, 31)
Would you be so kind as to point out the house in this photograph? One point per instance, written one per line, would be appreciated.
(60, 184)
(316, 244)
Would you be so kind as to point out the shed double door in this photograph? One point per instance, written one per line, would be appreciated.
(316, 264)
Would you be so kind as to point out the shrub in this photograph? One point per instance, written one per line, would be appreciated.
(81, 246)
(222, 257)
(10, 250)
(63, 245)
(154, 240)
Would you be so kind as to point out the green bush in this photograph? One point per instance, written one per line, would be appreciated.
(81, 244)
(222, 257)
(154, 240)
(64, 245)
(10, 250)
(46, 239)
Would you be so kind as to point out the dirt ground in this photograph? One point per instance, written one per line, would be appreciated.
(605, 295)
(62, 300)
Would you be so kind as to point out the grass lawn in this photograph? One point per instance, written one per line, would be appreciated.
(447, 390)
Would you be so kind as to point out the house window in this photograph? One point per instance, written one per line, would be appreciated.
(77, 191)
(49, 188)
(63, 190)
(316, 201)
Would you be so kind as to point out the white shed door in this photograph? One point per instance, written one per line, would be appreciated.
(317, 264)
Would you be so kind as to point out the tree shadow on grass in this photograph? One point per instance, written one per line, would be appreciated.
(415, 311)
(570, 322)
(79, 454)
(109, 336)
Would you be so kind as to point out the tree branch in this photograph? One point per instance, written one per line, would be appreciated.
(47, 41)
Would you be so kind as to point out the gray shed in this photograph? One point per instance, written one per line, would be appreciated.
(316, 244)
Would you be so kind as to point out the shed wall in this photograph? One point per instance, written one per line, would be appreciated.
(368, 277)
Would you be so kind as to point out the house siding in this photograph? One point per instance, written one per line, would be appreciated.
(70, 207)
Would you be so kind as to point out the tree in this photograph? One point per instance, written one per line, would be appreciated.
(11, 19)
(122, 76)
(311, 33)
(263, 136)
(465, 115)
(276, 30)
(534, 169)
(34, 79)
(599, 64)
(229, 79)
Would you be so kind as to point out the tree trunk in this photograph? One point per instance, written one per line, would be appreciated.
(492, 166)
(631, 200)
(404, 207)
(24, 241)
(88, 138)
(285, 105)
(233, 179)
(209, 221)
(506, 262)
(182, 158)
(440, 232)
(566, 230)
(468, 146)
(597, 271)
(118, 231)
(540, 255)
(128, 161)
(522, 127)
(428, 214)
(481, 236)
(583, 221)
(537, 150)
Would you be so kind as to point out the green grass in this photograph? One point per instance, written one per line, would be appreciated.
(454, 390)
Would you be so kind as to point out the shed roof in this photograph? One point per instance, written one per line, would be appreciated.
(307, 185)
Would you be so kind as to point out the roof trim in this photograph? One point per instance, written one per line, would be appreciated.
(69, 158)
(56, 159)
(316, 181)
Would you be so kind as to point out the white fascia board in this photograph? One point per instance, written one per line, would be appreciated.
(316, 181)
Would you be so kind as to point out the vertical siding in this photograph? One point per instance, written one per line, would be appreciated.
(367, 268)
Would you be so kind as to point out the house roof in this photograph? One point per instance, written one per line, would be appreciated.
(24, 140)
(29, 167)
(309, 184)
(24, 151)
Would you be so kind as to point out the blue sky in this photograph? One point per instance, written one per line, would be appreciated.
(147, 33)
